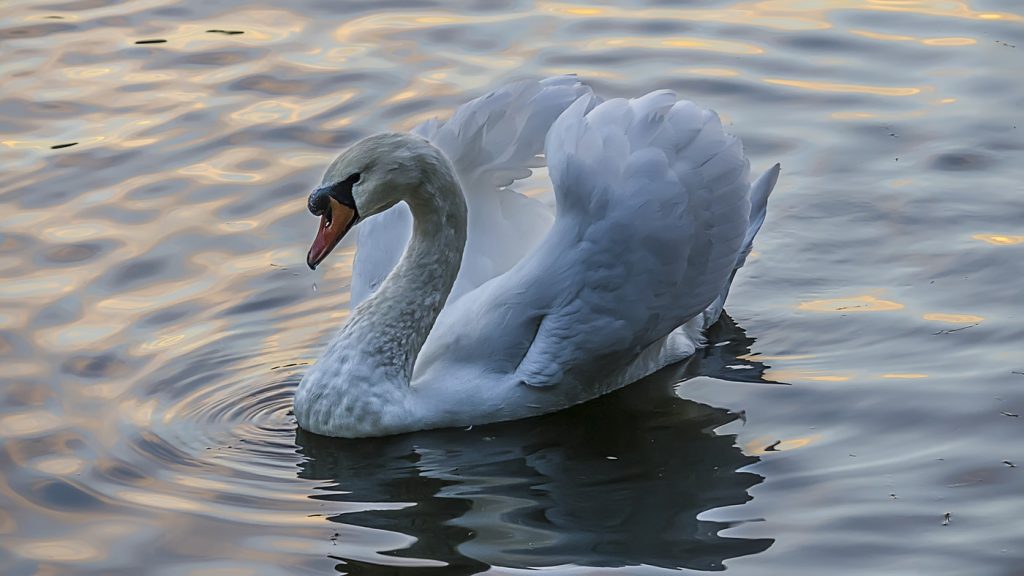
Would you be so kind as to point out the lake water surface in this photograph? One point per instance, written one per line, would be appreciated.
(861, 411)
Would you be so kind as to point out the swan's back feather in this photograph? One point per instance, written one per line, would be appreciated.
(491, 141)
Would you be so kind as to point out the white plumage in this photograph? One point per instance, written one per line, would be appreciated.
(654, 215)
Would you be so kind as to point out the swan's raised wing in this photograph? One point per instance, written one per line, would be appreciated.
(491, 141)
(653, 196)
(652, 212)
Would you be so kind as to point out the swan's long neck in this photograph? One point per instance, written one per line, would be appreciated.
(360, 386)
(393, 324)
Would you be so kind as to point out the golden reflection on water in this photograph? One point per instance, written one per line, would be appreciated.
(882, 36)
(847, 88)
(791, 375)
(712, 72)
(999, 239)
(685, 43)
(31, 288)
(28, 424)
(80, 335)
(864, 303)
(766, 445)
(949, 41)
(750, 14)
(58, 550)
(946, 8)
(798, 375)
(953, 318)
(151, 499)
(283, 111)
(59, 465)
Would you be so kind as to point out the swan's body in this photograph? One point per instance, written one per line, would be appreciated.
(654, 215)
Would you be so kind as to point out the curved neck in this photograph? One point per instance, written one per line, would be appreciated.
(360, 385)
(389, 328)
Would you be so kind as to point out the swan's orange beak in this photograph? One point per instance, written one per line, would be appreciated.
(337, 220)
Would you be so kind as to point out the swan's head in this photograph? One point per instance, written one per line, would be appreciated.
(373, 175)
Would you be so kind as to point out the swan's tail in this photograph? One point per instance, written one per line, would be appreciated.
(759, 192)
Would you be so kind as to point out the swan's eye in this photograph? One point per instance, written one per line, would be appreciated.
(353, 179)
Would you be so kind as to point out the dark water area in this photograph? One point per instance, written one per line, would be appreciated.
(860, 411)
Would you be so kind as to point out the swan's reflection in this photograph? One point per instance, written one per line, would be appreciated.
(618, 481)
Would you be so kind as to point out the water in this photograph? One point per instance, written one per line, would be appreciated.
(155, 313)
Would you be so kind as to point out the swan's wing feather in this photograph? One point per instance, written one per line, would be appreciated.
(495, 139)
(759, 192)
(653, 208)
(491, 141)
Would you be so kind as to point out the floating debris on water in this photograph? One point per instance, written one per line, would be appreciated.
(227, 32)
(59, 146)
(1010, 414)
(292, 365)
(153, 41)
(946, 518)
(1010, 464)
(772, 447)
(951, 330)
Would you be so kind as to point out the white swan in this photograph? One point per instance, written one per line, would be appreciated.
(654, 215)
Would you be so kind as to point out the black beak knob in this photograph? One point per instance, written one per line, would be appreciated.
(319, 200)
